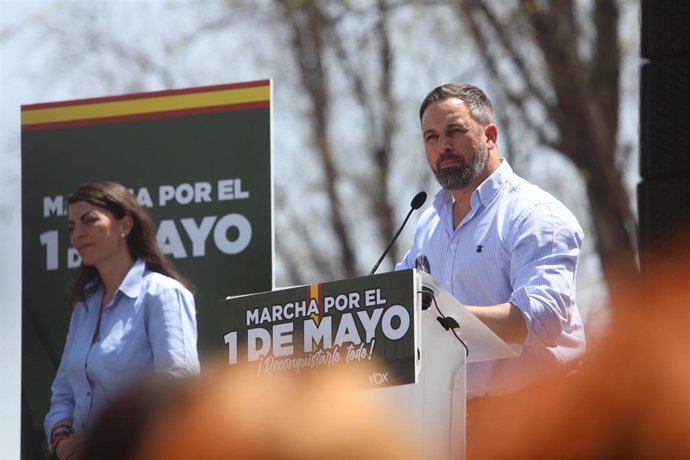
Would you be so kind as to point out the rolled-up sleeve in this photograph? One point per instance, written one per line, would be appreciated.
(172, 332)
(545, 245)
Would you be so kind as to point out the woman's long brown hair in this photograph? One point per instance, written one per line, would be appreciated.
(141, 241)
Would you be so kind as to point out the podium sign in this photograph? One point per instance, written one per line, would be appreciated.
(375, 321)
(368, 321)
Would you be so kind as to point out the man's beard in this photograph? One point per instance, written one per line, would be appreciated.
(457, 177)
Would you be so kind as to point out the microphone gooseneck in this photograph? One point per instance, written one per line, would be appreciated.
(416, 203)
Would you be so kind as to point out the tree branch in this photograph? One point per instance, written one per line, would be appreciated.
(308, 24)
(518, 100)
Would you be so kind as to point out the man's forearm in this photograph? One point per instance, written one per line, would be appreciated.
(505, 320)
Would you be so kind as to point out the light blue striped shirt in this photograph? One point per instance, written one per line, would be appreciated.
(148, 326)
(518, 244)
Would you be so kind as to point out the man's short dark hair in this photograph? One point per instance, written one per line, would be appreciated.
(477, 102)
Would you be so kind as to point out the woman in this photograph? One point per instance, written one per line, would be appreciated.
(132, 316)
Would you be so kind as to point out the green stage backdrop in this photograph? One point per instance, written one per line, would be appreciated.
(198, 159)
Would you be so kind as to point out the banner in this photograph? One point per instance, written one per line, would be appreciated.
(362, 321)
(199, 160)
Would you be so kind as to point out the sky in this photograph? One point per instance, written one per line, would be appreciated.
(12, 94)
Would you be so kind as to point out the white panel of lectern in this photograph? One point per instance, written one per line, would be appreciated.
(435, 406)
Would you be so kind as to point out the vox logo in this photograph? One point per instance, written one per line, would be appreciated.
(377, 378)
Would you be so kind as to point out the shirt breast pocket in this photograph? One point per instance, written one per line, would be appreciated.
(485, 272)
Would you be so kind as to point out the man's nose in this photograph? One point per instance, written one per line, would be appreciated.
(444, 144)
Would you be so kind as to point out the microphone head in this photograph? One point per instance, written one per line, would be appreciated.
(422, 263)
(418, 200)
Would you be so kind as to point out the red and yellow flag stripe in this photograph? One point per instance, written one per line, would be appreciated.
(160, 104)
(314, 292)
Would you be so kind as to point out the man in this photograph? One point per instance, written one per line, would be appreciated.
(503, 247)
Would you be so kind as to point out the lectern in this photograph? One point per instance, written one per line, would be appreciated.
(420, 353)
(434, 407)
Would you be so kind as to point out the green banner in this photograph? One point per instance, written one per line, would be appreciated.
(198, 159)
(367, 321)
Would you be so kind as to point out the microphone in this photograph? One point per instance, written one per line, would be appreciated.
(416, 203)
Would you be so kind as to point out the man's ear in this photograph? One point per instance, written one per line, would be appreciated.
(491, 135)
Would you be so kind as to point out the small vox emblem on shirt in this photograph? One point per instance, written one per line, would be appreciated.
(479, 248)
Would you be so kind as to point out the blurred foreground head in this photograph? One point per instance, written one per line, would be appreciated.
(632, 397)
(230, 413)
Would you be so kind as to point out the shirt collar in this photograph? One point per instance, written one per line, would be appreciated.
(132, 284)
(486, 191)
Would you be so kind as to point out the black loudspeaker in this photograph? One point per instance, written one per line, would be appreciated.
(664, 208)
(664, 193)
(665, 28)
(665, 117)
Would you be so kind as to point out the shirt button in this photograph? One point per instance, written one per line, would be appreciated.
(88, 393)
(453, 246)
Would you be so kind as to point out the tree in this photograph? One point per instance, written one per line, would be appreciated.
(314, 32)
(343, 72)
(577, 94)
(558, 74)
